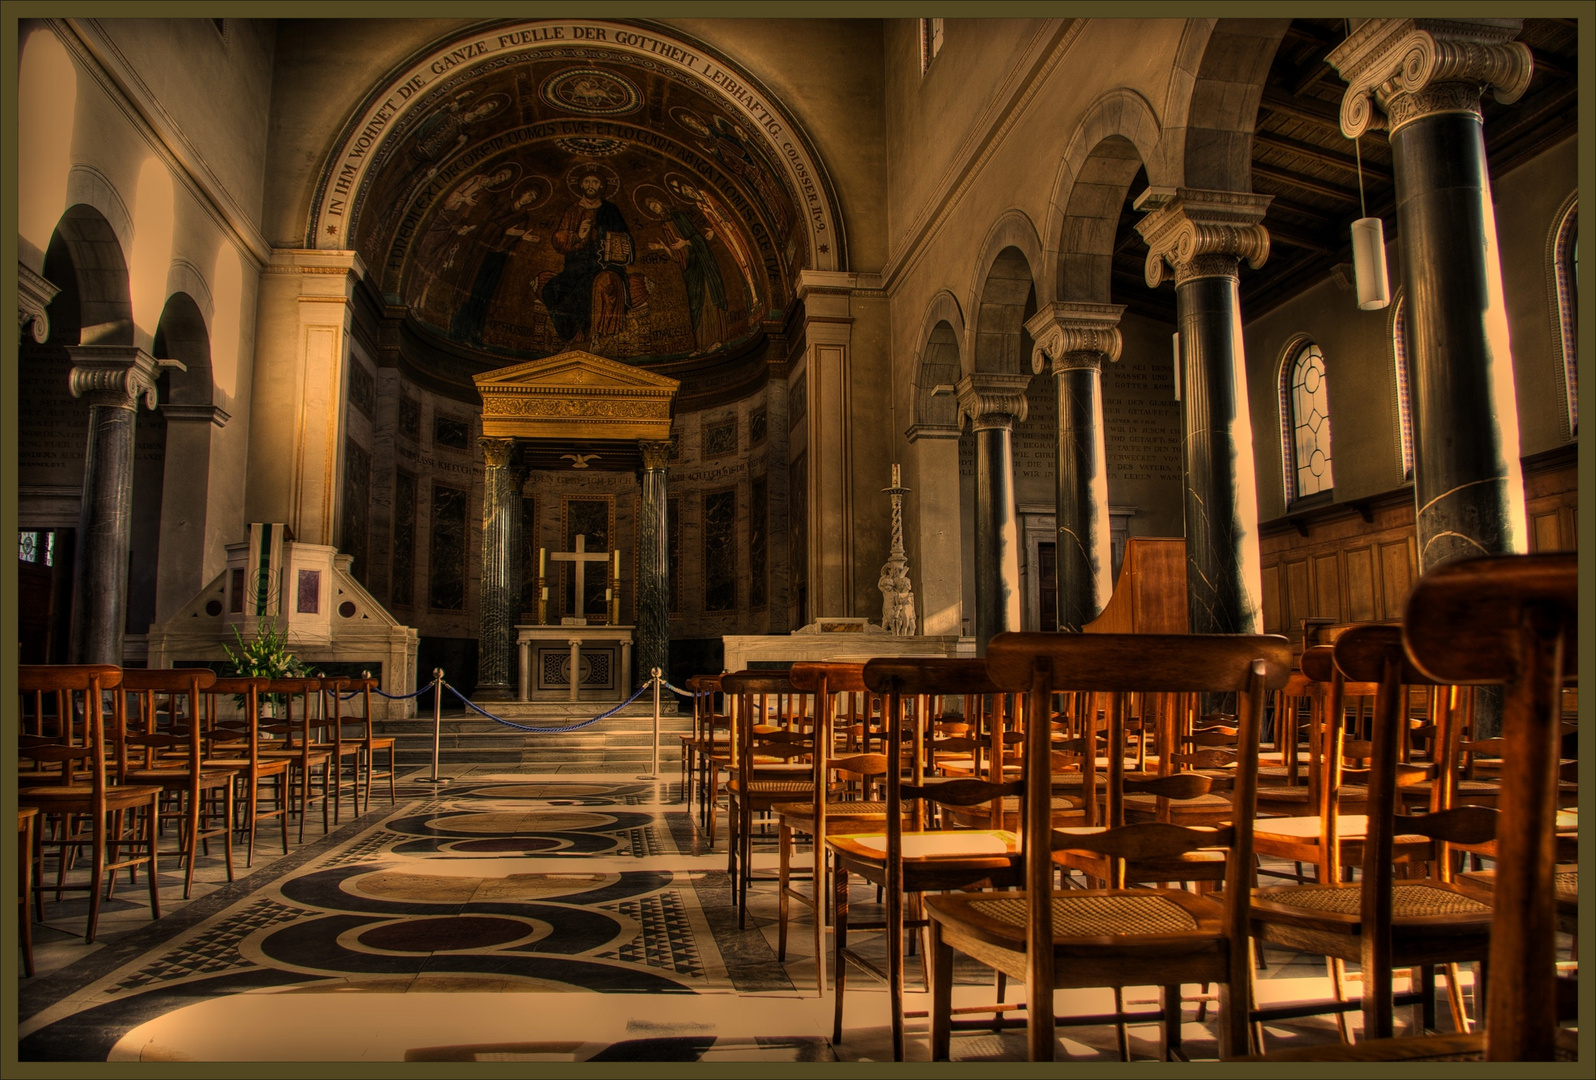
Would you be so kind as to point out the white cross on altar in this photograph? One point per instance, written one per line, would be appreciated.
(581, 557)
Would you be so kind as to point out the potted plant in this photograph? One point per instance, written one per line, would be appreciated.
(265, 656)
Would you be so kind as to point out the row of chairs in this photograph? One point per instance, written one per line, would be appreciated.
(1115, 934)
(107, 754)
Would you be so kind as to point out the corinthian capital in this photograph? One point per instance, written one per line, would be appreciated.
(34, 293)
(656, 453)
(1204, 234)
(1408, 68)
(116, 375)
(496, 453)
(1075, 335)
(993, 400)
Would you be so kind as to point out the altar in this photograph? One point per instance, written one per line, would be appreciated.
(575, 663)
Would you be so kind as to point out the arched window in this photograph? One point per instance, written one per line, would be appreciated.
(1563, 260)
(1305, 421)
(1404, 401)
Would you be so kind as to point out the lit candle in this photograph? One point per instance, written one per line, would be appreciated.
(543, 556)
(895, 476)
(617, 574)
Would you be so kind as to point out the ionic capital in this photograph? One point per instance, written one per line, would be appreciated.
(1202, 233)
(1410, 68)
(34, 293)
(1075, 336)
(116, 376)
(993, 400)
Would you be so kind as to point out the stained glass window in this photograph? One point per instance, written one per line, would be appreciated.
(1305, 414)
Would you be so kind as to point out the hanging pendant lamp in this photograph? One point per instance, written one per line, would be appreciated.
(1368, 251)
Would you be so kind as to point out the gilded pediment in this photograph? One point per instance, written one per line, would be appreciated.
(575, 395)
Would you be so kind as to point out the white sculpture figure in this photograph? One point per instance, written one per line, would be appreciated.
(897, 594)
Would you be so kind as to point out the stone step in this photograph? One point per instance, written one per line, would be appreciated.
(623, 740)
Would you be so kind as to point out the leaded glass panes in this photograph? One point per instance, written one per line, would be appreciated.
(1310, 421)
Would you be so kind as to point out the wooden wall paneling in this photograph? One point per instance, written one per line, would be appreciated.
(1327, 586)
(1274, 623)
(1360, 585)
(1397, 571)
(1298, 598)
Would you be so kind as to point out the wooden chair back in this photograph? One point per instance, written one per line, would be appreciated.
(167, 704)
(73, 747)
(1513, 621)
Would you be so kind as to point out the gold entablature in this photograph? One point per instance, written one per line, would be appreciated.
(576, 395)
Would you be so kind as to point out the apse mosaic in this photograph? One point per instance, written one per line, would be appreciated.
(580, 201)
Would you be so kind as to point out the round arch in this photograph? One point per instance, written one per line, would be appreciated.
(1210, 114)
(1004, 281)
(412, 94)
(937, 363)
(1118, 136)
(96, 258)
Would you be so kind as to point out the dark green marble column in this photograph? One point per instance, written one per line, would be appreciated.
(653, 566)
(501, 561)
(995, 403)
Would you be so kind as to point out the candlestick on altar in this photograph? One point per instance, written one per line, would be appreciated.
(897, 594)
(614, 593)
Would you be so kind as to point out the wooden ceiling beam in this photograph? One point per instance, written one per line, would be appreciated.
(1269, 140)
(1305, 183)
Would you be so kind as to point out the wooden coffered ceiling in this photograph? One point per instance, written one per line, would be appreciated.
(1301, 158)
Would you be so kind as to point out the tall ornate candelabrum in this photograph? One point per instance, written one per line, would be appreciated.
(897, 594)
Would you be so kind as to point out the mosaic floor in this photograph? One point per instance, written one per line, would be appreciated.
(422, 932)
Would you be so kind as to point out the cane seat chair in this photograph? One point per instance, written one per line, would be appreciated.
(772, 763)
(1509, 620)
(27, 819)
(847, 795)
(345, 749)
(370, 743)
(1380, 922)
(1116, 936)
(164, 746)
(232, 725)
(78, 804)
(909, 858)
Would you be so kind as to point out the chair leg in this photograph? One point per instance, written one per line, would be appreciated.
(942, 995)
(1122, 1033)
(820, 893)
(781, 892)
(839, 945)
(1454, 998)
(1172, 1021)
(1338, 983)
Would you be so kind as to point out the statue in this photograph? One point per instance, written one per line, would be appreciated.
(897, 594)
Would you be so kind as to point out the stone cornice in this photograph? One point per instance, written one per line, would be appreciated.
(1075, 335)
(1410, 68)
(1205, 234)
(34, 293)
(211, 414)
(993, 400)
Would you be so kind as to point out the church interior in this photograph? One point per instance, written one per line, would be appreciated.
(517, 371)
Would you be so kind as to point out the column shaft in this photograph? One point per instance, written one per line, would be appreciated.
(997, 541)
(1084, 552)
(99, 588)
(1467, 483)
(1223, 574)
(501, 513)
(653, 566)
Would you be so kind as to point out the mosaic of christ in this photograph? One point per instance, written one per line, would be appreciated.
(644, 240)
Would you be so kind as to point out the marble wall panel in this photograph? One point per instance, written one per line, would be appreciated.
(357, 508)
(403, 566)
(447, 551)
(720, 550)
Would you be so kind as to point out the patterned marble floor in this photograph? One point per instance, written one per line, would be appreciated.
(555, 917)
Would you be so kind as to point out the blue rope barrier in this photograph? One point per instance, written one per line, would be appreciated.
(546, 730)
(399, 697)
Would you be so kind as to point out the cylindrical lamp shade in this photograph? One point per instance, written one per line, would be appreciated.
(1368, 263)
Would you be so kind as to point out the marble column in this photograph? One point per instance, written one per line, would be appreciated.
(653, 566)
(113, 379)
(1423, 80)
(501, 561)
(995, 403)
(1203, 236)
(1077, 339)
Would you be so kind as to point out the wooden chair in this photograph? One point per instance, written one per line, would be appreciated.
(833, 806)
(233, 742)
(906, 863)
(1377, 921)
(370, 743)
(1116, 936)
(290, 739)
(115, 822)
(1509, 620)
(346, 750)
(773, 763)
(164, 747)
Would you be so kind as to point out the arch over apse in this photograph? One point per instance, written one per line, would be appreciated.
(99, 267)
